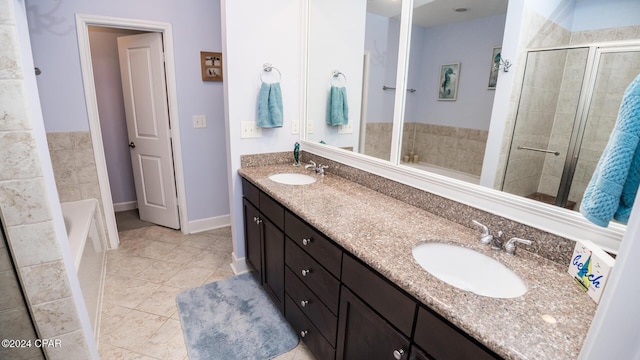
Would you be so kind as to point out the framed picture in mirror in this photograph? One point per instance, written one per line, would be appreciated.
(496, 55)
(448, 85)
(211, 63)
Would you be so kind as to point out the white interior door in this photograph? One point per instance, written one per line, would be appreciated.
(147, 112)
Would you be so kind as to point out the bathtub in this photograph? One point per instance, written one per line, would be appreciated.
(474, 179)
(85, 231)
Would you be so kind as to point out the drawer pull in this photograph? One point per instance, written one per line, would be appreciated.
(303, 333)
(305, 272)
(398, 354)
(304, 303)
(257, 220)
(306, 242)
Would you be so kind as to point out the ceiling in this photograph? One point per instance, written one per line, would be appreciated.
(428, 13)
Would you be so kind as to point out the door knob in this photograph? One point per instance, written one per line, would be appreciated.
(132, 145)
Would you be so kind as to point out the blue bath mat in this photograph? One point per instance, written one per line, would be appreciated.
(233, 319)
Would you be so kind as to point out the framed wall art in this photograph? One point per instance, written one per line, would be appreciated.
(496, 55)
(211, 63)
(449, 77)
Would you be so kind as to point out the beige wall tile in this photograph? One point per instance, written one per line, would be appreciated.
(22, 202)
(6, 12)
(59, 141)
(34, 244)
(45, 282)
(19, 156)
(13, 113)
(56, 317)
(10, 67)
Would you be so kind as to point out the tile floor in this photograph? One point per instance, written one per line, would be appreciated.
(144, 275)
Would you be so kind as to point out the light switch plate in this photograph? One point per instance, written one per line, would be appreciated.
(295, 127)
(249, 129)
(199, 121)
(345, 129)
(309, 127)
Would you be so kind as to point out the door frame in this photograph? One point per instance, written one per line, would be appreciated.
(83, 21)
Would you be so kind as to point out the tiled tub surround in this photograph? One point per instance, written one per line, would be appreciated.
(450, 147)
(350, 214)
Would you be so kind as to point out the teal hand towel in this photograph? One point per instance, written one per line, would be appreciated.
(337, 108)
(269, 106)
(613, 187)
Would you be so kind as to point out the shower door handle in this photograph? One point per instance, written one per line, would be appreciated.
(556, 153)
(132, 145)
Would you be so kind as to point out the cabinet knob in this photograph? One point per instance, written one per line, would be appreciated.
(306, 242)
(305, 272)
(303, 333)
(304, 303)
(398, 354)
(258, 220)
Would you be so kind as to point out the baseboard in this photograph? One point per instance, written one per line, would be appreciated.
(211, 223)
(239, 266)
(125, 206)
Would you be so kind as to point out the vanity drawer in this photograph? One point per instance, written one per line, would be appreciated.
(315, 277)
(398, 308)
(316, 245)
(313, 308)
(442, 340)
(251, 192)
(318, 345)
(272, 209)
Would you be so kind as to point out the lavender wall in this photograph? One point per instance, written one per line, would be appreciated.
(196, 28)
(469, 43)
(113, 123)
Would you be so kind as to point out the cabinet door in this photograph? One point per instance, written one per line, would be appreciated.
(363, 334)
(252, 237)
(417, 354)
(273, 245)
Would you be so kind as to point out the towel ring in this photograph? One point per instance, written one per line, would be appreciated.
(336, 75)
(268, 68)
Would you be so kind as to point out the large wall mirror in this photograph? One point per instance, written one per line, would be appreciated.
(577, 57)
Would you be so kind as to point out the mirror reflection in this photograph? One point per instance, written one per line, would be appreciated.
(566, 97)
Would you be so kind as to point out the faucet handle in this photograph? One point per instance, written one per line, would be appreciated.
(485, 237)
(510, 246)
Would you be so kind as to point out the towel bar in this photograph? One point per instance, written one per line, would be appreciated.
(556, 153)
(385, 87)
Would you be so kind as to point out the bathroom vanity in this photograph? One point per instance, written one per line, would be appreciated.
(336, 257)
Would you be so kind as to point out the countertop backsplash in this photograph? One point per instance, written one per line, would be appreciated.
(547, 245)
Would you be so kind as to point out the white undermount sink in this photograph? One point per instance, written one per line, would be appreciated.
(469, 270)
(292, 179)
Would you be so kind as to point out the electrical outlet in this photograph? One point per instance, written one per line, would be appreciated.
(309, 127)
(199, 121)
(249, 129)
(345, 129)
(295, 127)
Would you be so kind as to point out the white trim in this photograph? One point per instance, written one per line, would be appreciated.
(211, 223)
(125, 206)
(239, 265)
(569, 224)
(83, 21)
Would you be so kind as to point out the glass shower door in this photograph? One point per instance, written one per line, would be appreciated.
(565, 116)
(615, 68)
(547, 112)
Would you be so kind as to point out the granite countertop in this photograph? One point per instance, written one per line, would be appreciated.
(549, 322)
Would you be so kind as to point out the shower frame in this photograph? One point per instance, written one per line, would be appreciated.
(595, 51)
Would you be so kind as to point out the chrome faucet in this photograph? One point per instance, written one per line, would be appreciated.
(485, 238)
(319, 169)
(496, 242)
(510, 246)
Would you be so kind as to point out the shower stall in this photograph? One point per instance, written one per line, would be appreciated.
(568, 106)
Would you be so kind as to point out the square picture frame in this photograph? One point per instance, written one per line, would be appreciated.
(211, 63)
(449, 79)
(496, 55)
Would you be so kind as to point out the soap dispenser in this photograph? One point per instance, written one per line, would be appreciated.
(296, 154)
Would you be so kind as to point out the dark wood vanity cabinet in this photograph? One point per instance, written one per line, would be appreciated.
(339, 306)
(363, 334)
(264, 240)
